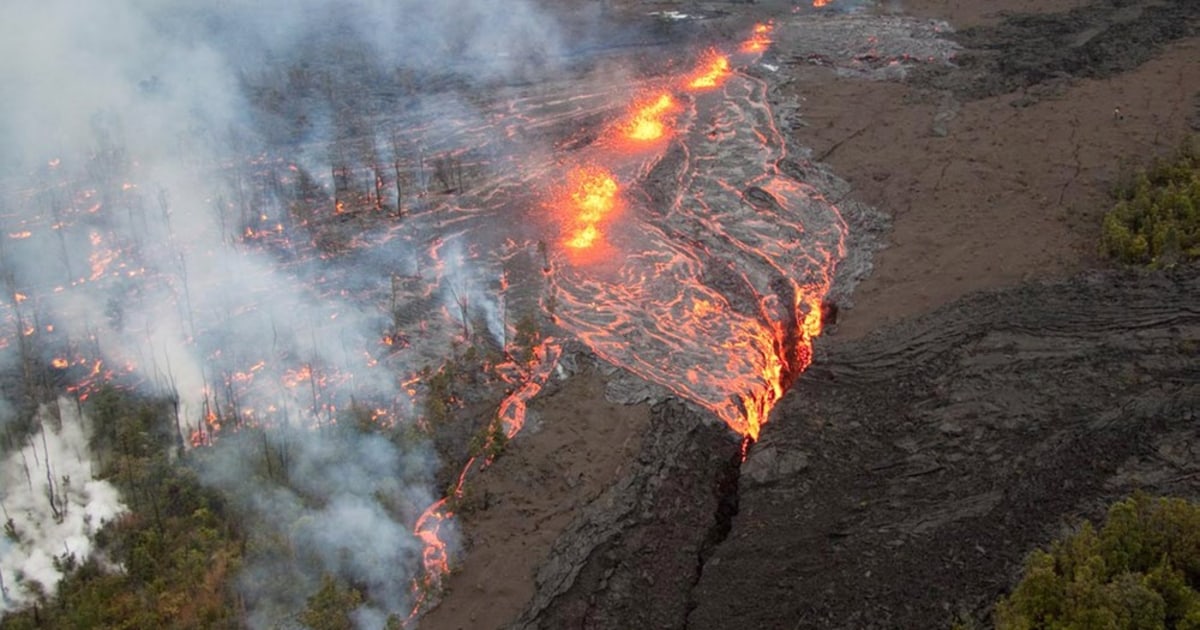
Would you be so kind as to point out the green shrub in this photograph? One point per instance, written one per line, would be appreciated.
(1156, 220)
(1141, 570)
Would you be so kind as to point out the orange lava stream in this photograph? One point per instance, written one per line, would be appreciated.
(435, 557)
(820, 3)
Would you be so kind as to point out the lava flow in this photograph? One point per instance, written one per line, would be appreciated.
(723, 261)
(510, 418)
(714, 289)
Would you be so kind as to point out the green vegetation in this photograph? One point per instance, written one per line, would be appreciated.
(489, 442)
(1141, 570)
(442, 396)
(1156, 221)
(177, 544)
(526, 339)
(331, 606)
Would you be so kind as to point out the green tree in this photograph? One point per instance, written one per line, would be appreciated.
(1156, 220)
(331, 606)
(1140, 570)
(179, 544)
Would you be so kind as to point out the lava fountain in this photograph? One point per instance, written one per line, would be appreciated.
(759, 40)
(647, 122)
(591, 198)
(712, 73)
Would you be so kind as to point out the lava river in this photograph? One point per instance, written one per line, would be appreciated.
(672, 243)
(710, 277)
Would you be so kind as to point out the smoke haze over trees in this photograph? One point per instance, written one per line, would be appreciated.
(138, 163)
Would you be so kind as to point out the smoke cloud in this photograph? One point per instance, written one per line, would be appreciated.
(139, 144)
(51, 506)
(347, 506)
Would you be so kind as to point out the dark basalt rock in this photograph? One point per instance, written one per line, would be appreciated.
(631, 558)
(905, 477)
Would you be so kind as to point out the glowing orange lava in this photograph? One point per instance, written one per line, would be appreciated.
(647, 123)
(594, 192)
(593, 196)
(757, 357)
(759, 40)
(820, 3)
(528, 380)
(583, 238)
(712, 74)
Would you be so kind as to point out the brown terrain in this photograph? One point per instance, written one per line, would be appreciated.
(983, 388)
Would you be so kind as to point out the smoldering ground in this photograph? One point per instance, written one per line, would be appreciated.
(133, 138)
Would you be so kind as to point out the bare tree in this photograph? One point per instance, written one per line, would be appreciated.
(462, 300)
(396, 145)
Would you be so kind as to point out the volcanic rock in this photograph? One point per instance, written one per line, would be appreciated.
(630, 558)
(1098, 40)
(904, 478)
(943, 451)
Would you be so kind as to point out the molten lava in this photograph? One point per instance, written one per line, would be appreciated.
(647, 122)
(717, 291)
(759, 40)
(591, 198)
(594, 192)
(713, 72)
(528, 380)
(583, 238)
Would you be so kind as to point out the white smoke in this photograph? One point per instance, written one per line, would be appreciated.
(120, 126)
(51, 506)
(464, 291)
